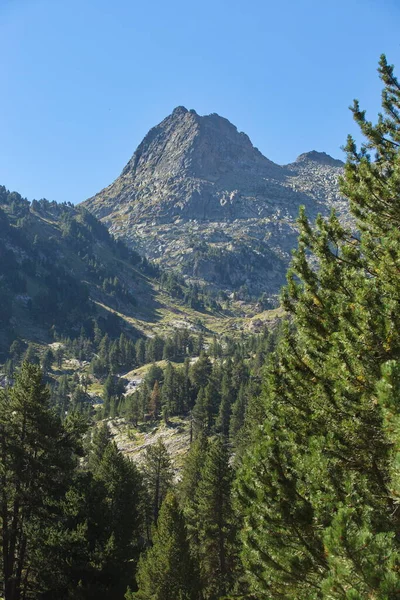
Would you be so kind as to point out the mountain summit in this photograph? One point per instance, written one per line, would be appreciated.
(189, 166)
(206, 147)
(198, 196)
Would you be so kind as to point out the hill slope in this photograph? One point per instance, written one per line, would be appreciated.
(198, 196)
(60, 269)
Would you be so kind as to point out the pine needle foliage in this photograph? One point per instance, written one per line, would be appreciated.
(319, 486)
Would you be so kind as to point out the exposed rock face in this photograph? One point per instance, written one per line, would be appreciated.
(198, 196)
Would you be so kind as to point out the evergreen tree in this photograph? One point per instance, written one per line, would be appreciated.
(59, 356)
(31, 355)
(16, 350)
(155, 401)
(315, 488)
(37, 460)
(167, 571)
(238, 414)
(187, 391)
(191, 475)
(212, 399)
(140, 351)
(216, 529)
(169, 390)
(155, 373)
(157, 474)
(199, 414)
(94, 551)
(201, 371)
(123, 486)
(101, 438)
(225, 407)
(133, 411)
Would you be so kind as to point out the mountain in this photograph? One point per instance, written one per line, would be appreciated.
(197, 196)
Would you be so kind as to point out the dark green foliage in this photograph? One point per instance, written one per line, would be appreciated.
(101, 438)
(47, 361)
(191, 476)
(157, 475)
(155, 373)
(95, 552)
(238, 414)
(225, 407)
(167, 571)
(36, 466)
(66, 532)
(201, 371)
(31, 355)
(216, 528)
(318, 487)
(199, 414)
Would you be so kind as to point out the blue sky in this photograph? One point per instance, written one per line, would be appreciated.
(84, 80)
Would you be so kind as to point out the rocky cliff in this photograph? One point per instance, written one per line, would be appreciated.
(198, 196)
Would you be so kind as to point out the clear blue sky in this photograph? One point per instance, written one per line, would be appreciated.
(84, 80)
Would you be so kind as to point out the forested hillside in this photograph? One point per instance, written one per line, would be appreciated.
(289, 484)
(59, 266)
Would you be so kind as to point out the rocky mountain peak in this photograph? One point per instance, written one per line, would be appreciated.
(321, 158)
(187, 144)
(180, 110)
(198, 196)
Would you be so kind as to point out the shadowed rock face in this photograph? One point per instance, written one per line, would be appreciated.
(198, 196)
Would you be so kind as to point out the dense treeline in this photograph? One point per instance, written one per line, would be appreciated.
(191, 294)
(67, 530)
(97, 513)
(213, 389)
(77, 516)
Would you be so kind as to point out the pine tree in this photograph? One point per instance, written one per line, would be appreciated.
(37, 459)
(191, 475)
(157, 474)
(201, 371)
(315, 486)
(133, 411)
(167, 571)
(155, 401)
(199, 414)
(169, 389)
(187, 391)
(225, 407)
(31, 355)
(212, 399)
(95, 545)
(123, 484)
(101, 438)
(140, 352)
(216, 530)
(238, 414)
(16, 350)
